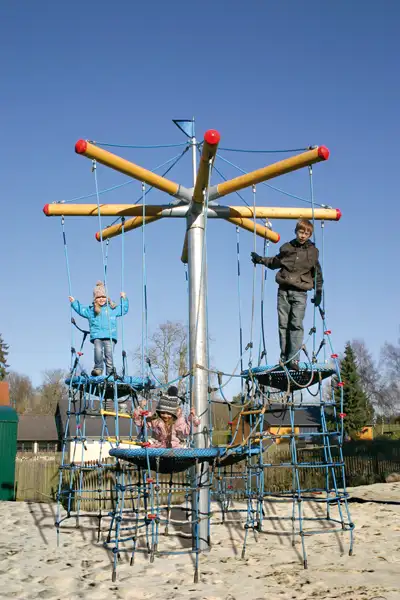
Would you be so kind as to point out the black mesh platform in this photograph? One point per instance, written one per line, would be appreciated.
(284, 379)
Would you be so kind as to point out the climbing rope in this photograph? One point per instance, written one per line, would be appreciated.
(138, 147)
(124, 361)
(264, 151)
(65, 246)
(145, 350)
(262, 351)
(104, 261)
(253, 294)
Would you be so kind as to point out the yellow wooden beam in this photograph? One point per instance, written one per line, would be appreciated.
(280, 168)
(122, 165)
(118, 228)
(136, 210)
(210, 145)
(114, 440)
(260, 230)
(110, 413)
(105, 210)
(283, 212)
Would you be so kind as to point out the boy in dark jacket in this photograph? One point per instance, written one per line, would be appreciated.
(299, 272)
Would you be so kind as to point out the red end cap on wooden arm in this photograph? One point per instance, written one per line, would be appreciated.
(81, 146)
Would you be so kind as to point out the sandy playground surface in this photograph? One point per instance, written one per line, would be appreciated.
(33, 567)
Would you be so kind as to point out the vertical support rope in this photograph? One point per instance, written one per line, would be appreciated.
(103, 254)
(124, 365)
(264, 278)
(69, 285)
(239, 308)
(254, 281)
(204, 282)
(323, 289)
(144, 285)
(104, 257)
(310, 170)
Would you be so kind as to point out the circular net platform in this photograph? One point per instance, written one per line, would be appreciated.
(105, 386)
(167, 460)
(284, 379)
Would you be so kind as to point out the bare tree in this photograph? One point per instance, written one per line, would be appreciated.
(168, 354)
(370, 378)
(390, 360)
(378, 383)
(22, 392)
(51, 392)
(390, 355)
(375, 381)
(167, 351)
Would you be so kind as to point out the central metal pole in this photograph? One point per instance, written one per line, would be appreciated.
(198, 355)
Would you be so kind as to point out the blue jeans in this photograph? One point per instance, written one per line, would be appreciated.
(104, 347)
(291, 311)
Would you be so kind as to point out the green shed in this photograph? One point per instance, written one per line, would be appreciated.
(8, 450)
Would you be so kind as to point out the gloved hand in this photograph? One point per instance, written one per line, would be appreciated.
(317, 298)
(256, 258)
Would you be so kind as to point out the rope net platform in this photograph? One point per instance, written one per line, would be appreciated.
(283, 378)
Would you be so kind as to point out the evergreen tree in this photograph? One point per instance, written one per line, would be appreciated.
(356, 405)
(3, 359)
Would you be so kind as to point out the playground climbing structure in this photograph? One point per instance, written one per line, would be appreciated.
(139, 510)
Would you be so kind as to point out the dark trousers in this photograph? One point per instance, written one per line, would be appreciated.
(291, 311)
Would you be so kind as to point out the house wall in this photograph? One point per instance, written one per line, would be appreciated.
(34, 447)
(4, 394)
(279, 431)
(95, 451)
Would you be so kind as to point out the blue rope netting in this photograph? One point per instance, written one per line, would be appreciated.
(138, 383)
(166, 460)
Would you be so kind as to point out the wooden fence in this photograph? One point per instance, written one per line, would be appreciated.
(37, 476)
(37, 480)
(97, 488)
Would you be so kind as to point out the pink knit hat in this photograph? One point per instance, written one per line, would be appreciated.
(99, 290)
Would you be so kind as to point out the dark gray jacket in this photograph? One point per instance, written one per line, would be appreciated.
(298, 266)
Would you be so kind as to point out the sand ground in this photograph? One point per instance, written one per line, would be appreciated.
(33, 567)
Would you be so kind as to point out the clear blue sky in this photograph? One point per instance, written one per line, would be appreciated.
(266, 75)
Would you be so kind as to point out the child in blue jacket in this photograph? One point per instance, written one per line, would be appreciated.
(102, 316)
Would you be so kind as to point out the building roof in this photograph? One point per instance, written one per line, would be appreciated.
(37, 428)
(93, 426)
(49, 428)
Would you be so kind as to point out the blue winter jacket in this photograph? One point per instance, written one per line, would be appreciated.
(104, 325)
